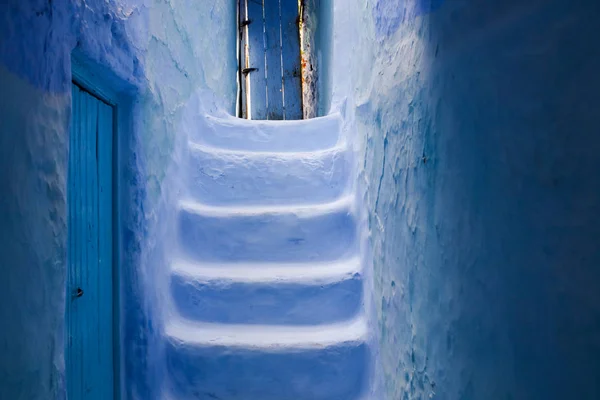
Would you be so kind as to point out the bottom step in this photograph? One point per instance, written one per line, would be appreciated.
(319, 363)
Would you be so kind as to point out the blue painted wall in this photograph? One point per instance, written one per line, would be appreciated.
(477, 123)
(156, 51)
(477, 131)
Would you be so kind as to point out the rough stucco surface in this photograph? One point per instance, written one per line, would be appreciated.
(33, 238)
(157, 51)
(481, 176)
(475, 123)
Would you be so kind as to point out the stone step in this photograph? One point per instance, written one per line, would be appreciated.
(271, 293)
(249, 362)
(236, 177)
(321, 232)
(252, 135)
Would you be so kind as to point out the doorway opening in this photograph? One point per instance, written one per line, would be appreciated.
(284, 49)
(92, 340)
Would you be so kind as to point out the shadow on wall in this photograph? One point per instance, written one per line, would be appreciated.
(482, 158)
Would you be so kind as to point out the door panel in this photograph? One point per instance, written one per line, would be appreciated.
(273, 53)
(271, 59)
(257, 79)
(292, 76)
(89, 318)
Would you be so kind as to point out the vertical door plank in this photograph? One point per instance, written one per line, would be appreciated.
(256, 47)
(89, 299)
(105, 270)
(83, 243)
(244, 61)
(73, 260)
(80, 328)
(272, 12)
(93, 299)
(81, 302)
(69, 237)
(292, 80)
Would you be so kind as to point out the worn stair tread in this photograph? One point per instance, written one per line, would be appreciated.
(274, 233)
(300, 210)
(267, 337)
(218, 176)
(284, 155)
(268, 293)
(256, 135)
(271, 272)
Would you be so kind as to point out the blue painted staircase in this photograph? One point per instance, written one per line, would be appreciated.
(266, 286)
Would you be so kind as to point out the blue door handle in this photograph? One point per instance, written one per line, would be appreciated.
(78, 292)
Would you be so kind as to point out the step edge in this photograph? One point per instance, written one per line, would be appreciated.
(338, 148)
(267, 337)
(167, 395)
(301, 210)
(252, 123)
(302, 273)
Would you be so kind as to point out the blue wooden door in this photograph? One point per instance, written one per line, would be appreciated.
(271, 72)
(89, 301)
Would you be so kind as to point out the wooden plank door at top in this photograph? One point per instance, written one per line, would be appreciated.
(291, 58)
(272, 60)
(89, 297)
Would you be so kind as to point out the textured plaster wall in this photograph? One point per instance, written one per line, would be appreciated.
(479, 147)
(316, 41)
(160, 54)
(477, 126)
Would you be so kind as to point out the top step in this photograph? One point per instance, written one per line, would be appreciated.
(281, 136)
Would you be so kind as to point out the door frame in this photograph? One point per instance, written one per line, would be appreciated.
(105, 87)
